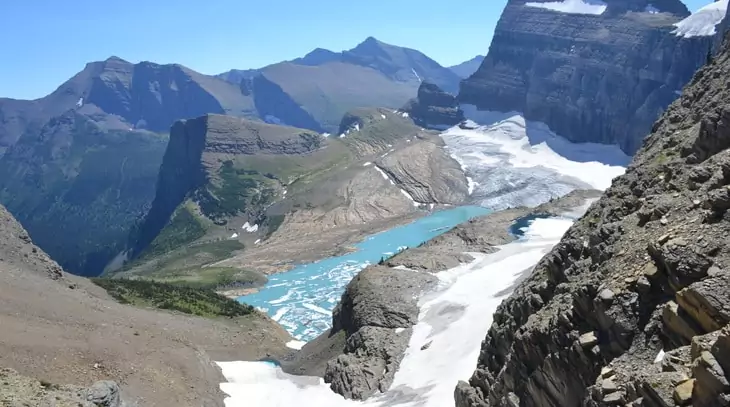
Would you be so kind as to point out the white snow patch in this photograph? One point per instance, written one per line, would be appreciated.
(257, 241)
(399, 330)
(382, 116)
(385, 176)
(367, 164)
(250, 228)
(472, 184)
(296, 345)
(595, 7)
(651, 9)
(342, 135)
(659, 356)
(235, 235)
(357, 126)
(326, 134)
(80, 102)
(520, 163)
(284, 193)
(702, 22)
(404, 114)
(407, 195)
(416, 75)
(453, 319)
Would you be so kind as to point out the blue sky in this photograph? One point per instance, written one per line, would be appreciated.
(48, 41)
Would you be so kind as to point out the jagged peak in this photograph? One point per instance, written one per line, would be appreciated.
(115, 58)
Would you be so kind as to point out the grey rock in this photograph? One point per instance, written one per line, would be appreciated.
(17, 390)
(374, 319)
(434, 108)
(104, 394)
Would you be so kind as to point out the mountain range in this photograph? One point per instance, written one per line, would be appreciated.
(83, 160)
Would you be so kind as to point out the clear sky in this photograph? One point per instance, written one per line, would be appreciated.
(45, 42)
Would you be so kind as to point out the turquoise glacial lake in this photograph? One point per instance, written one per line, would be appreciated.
(302, 299)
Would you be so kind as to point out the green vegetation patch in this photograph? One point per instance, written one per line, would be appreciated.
(189, 300)
(214, 278)
(236, 190)
(184, 227)
(186, 266)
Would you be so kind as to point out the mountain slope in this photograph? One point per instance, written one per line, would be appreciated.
(61, 329)
(78, 188)
(327, 84)
(599, 75)
(467, 68)
(629, 308)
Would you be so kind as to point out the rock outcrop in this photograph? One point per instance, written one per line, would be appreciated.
(630, 307)
(434, 108)
(601, 76)
(17, 390)
(371, 327)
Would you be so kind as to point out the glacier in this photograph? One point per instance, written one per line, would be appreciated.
(514, 162)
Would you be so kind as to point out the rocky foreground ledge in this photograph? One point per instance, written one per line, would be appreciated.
(372, 324)
(631, 307)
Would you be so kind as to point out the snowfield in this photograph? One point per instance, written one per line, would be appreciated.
(595, 7)
(702, 22)
(513, 162)
(454, 319)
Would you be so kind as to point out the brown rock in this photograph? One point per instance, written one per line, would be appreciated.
(683, 392)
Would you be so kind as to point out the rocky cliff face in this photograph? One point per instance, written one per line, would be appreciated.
(210, 162)
(434, 108)
(601, 76)
(630, 307)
